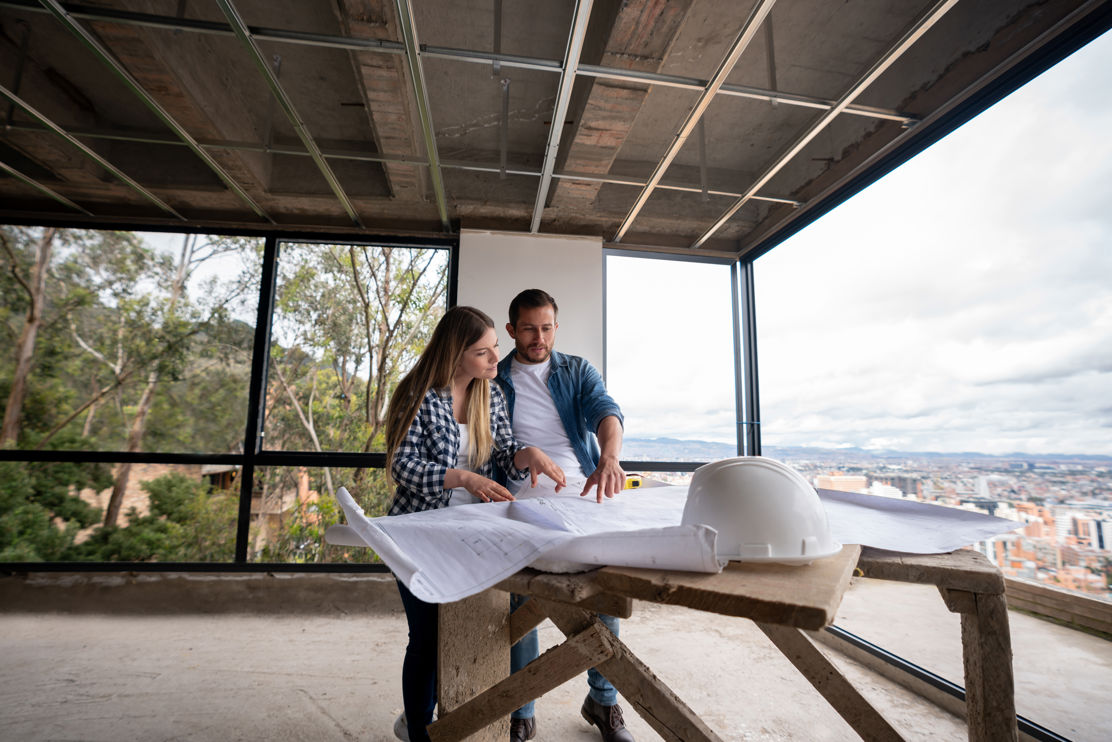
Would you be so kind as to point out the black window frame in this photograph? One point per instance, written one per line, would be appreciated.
(254, 455)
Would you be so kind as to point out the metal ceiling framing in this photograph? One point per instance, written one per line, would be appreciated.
(28, 180)
(122, 176)
(410, 47)
(925, 22)
(408, 29)
(129, 80)
(486, 203)
(956, 101)
(475, 166)
(289, 36)
(563, 97)
(244, 35)
(748, 31)
(741, 91)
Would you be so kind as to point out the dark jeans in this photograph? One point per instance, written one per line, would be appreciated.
(419, 667)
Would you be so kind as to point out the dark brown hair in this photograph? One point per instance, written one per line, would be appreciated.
(531, 299)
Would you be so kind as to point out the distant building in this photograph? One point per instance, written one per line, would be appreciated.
(885, 490)
(909, 485)
(1104, 535)
(842, 482)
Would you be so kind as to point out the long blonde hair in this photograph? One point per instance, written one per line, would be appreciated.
(459, 328)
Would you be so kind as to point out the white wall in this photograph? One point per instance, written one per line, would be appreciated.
(495, 266)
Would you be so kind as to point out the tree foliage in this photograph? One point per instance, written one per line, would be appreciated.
(186, 523)
(145, 345)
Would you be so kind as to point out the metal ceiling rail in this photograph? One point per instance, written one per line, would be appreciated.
(179, 23)
(516, 61)
(331, 154)
(244, 35)
(741, 91)
(45, 189)
(42, 119)
(126, 77)
(718, 79)
(665, 186)
(408, 28)
(302, 38)
(912, 35)
(567, 82)
(278, 149)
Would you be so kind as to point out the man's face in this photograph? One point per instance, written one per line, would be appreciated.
(534, 334)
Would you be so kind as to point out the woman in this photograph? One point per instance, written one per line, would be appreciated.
(446, 431)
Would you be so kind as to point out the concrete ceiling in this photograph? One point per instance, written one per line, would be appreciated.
(690, 126)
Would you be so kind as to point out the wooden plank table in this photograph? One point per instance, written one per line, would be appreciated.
(476, 697)
(782, 599)
(972, 586)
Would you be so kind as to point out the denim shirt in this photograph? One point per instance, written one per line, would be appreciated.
(581, 401)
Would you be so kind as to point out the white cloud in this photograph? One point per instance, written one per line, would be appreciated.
(963, 302)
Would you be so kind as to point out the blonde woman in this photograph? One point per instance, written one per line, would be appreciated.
(446, 430)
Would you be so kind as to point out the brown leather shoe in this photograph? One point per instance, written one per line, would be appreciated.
(608, 719)
(523, 729)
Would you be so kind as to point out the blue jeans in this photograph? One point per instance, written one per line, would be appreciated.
(528, 649)
(419, 666)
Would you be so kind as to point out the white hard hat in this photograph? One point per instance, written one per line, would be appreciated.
(763, 510)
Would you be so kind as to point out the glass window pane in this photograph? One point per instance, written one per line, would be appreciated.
(349, 321)
(670, 357)
(944, 336)
(292, 507)
(115, 339)
(56, 512)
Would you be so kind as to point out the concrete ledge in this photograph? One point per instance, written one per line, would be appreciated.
(177, 593)
(1068, 607)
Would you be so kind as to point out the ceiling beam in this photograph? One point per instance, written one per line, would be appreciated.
(639, 36)
(567, 81)
(408, 28)
(912, 35)
(27, 179)
(386, 93)
(244, 35)
(122, 176)
(129, 80)
(745, 36)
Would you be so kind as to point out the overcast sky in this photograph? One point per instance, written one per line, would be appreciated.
(962, 303)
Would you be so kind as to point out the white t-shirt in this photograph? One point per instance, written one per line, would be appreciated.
(459, 495)
(537, 423)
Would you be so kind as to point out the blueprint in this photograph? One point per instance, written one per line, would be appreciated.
(449, 554)
(909, 526)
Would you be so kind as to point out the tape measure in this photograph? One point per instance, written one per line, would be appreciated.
(633, 481)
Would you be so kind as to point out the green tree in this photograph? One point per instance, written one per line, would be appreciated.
(349, 321)
(40, 512)
(186, 523)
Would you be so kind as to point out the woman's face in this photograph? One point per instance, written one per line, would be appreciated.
(480, 360)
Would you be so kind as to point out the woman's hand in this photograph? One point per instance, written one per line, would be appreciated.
(538, 462)
(487, 490)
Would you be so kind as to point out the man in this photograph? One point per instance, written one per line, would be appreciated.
(558, 403)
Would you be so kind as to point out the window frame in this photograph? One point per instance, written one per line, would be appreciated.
(254, 455)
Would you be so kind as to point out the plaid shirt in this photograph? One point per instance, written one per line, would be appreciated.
(430, 446)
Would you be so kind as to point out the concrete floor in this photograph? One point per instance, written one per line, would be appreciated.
(335, 675)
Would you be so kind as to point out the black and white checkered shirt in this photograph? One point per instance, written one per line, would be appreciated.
(430, 446)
